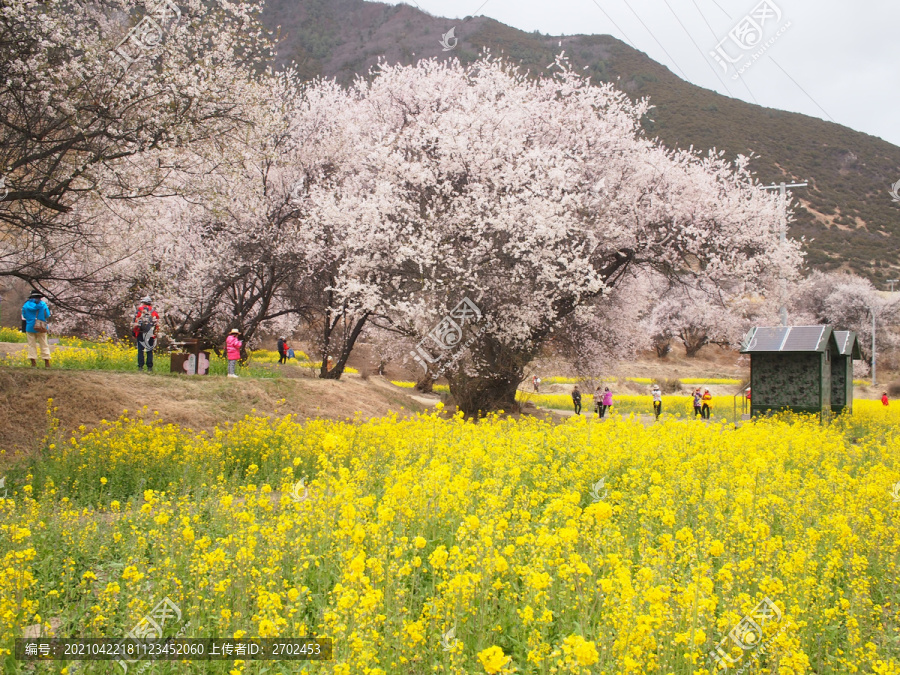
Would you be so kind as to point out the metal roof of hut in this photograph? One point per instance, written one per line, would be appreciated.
(787, 339)
(848, 344)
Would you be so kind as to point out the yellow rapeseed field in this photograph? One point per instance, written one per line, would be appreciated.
(122, 356)
(433, 545)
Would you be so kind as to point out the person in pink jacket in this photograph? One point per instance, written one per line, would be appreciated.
(233, 346)
(605, 402)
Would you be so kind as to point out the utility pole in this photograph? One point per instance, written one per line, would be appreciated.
(872, 309)
(783, 190)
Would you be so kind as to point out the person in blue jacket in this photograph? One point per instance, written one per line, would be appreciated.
(36, 310)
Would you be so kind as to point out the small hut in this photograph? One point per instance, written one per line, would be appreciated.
(842, 371)
(791, 368)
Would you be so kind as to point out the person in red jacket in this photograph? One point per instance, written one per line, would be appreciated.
(145, 329)
(283, 349)
(884, 399)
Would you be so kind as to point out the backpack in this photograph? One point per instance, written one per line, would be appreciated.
(145, 319)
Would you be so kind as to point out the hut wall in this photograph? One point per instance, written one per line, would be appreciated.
(789, 380)
(842, 384)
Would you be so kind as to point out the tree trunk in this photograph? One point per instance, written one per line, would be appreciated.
(478, 396)
(346, 348)
(498, 372)
(663, 347)
(693, 340)
(425, 384)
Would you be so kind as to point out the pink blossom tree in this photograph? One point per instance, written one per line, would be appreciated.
(701, 314)
(847, 302)
(90, 88)
(538, 197)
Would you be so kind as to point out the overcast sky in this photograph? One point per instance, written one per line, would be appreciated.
(829, 59)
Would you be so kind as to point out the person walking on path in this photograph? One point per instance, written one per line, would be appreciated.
(576, 399)
(35, 315)
(707, 405)
(536, 383)
(657, 400)
(607, 402)
(884, 399)
(283, 350)
(598, 400)
(698, 398)
(233, 344)
(145, 328)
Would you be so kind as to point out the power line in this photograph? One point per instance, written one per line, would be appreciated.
(630, 41)
(720, 7)
(482, 7)
(694, 42)
(803, 90)
(671, 58)
(703, 16)
(713, 33)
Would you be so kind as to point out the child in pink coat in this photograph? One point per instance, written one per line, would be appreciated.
(233, 346)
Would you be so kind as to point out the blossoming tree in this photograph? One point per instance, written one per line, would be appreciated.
(536, 197)
(90, 87)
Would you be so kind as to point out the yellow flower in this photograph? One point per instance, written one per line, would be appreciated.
(416, 632)
(103, 480)
(358, 564)
(420, 542)
(438, 557)
(130, 573)
(493, 659)
(539, 580)
(585, 652)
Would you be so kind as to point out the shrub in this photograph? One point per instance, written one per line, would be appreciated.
(11, 335)
(669, 385)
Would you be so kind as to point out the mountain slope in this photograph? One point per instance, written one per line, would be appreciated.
(847, 212)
